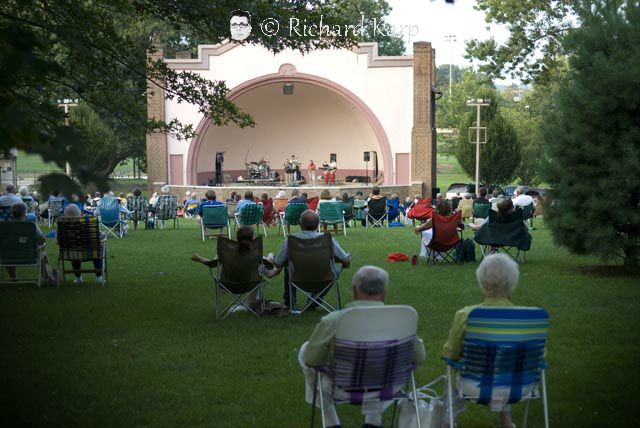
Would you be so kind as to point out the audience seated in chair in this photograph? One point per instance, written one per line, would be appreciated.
(280, 202)
(482, 196)
(138, 207)
(504, 208)
(191, 205)
(297, 198)
(309, 221)
(269, 215)
(19, 214)
(466, 206)
(325, 197)
(495, 199)
(497, 277)
(369, 290)
(210, 201)
(520, 199)
(248, 200)
(425, 230)
(376, 211)
(72, 211)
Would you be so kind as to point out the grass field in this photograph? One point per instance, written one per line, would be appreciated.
(146, 349)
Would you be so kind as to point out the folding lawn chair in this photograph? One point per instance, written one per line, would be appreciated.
(167, 209)
(502, 359)
(358, 208)
(32, 212)
(56, 208)
(251, 214)
(332, 213)
(377, 213)
(238, 274)
(79, 238)
(215, 217)
(139, 208)
(310, 262)
(527, 214)
(480, 210)
(19, 248)
(291, 217)
(445, 238)
(393, 209)
(268, 215)
(312, 203)
(420, 211)
(348, 209)
(373, 358)
(110, 218)
(508, 234)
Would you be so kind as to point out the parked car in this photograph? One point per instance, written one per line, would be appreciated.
(531, 191)
(467, 188)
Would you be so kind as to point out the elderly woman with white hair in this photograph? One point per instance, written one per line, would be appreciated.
(497, 277)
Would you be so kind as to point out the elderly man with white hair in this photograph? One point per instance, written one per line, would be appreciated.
(520, 199)
(10, 198)
(498, 278)
(369, 289)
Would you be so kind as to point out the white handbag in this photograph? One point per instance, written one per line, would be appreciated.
(430, 408)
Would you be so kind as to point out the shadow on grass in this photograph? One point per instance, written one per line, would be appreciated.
(609, 271)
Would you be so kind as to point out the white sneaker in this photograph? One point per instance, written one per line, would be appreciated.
(100, 280)
(78, 280)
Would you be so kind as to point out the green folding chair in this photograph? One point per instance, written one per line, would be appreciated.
(291, 217)
(349, 212)
(251, 214)
(332, 213)
(215, 217)
(480, 210)
(18, 249)
(358, 208)
(527, 214)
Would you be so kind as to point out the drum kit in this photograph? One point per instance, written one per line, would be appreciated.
(260, 170)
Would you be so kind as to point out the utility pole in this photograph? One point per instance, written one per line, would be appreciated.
(478, 103)
(451, 38)
(66, 104)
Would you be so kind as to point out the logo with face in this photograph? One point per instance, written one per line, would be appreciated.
(240, 25)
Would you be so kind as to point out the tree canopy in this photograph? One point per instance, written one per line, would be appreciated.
(594, 137)
(96, 52)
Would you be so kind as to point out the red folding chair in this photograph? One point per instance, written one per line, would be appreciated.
(445, 238)
(312, 203)
(421, 210)
(268, 215)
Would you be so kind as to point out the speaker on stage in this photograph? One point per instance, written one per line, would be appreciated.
(219, 157)
(333, 157)
(367, 156)
(212, 181)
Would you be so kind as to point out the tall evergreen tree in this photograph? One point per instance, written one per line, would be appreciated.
(594, 139)
(500, 156)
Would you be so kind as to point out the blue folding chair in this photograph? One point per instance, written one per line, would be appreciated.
(56, 207)
(502, 358)
(110, 219)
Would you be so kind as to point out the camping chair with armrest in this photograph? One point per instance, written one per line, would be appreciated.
(332, 213)
(348, 209)
(445, 238)
(138, 207)
(480, 210)
(32, 210)
(508, 234)
(373, 358)
(268, 215)
(310, 272)
(79, 238)
(377, 212)
(421, 210)
(167, 209)
(312, 203)
(249, 215)
(527, 214)
(291, 217)
(359, 206)
(110, 219)
(393, 209)
(238, 275)
(465, 206)
(280, 205)
(502, 359)
(18, 249)
(215, 217)
(56, 208)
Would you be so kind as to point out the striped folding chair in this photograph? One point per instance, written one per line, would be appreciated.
(291, 217)
(249, 215)
(167, 209)
(502, 358)
(79, 238)
(215, 217)
(373, 358)
(332, 213)
(139, 207)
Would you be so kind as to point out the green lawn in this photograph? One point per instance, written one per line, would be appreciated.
(146, 349)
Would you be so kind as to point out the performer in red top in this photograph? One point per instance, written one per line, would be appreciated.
(311, 169)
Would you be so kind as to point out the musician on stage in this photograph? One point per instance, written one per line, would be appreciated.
(311, 172)
(329, 172)
(292, 168)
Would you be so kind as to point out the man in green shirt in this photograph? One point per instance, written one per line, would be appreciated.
(369, 289)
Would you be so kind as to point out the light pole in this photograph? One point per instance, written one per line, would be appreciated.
(478, 103)
(451, 38)
(66, 104)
